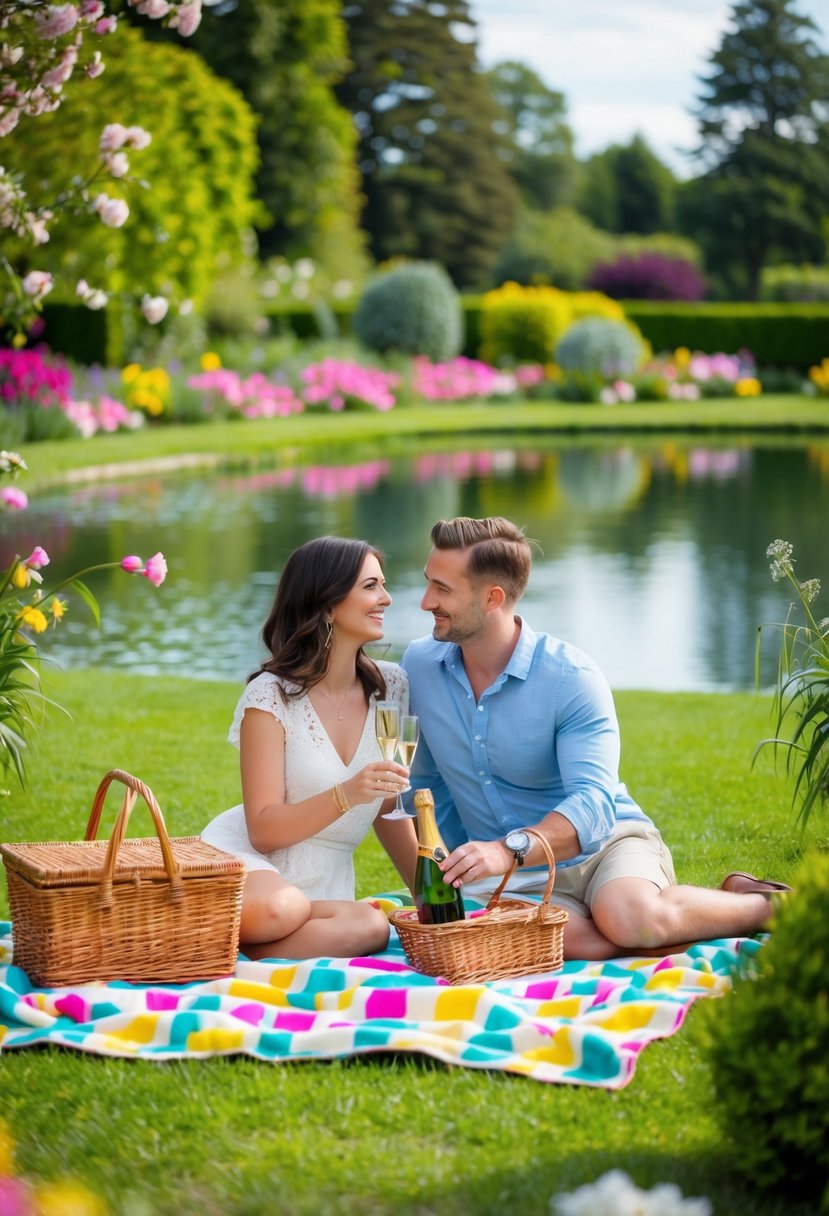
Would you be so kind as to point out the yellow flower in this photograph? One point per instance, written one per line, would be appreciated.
(147, 400)
(682, 356)
(34, 618)
(18, 340)
(158, 379)
(58, 609)
(22, 576)
(131, 372)
(6, 1152)
(748, 386)
(68, 1198)
(210, 361)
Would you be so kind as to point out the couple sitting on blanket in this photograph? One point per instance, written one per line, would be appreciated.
(518, 730)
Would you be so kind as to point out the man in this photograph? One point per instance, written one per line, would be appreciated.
(519, 730)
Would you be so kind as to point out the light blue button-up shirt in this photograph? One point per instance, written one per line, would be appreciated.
(543, 737)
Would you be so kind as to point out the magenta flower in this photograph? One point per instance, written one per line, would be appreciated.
(132, 565)
(156, 569)
(37, 559)
(14, 499)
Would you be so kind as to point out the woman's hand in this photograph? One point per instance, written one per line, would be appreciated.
(380, 779)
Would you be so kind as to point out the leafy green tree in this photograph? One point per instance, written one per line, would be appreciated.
(541, 158)
(627, 188)
(765, 145)
(191, 207)
(285, 56)
(436, 185)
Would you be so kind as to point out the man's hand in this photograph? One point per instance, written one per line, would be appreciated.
(476, 859)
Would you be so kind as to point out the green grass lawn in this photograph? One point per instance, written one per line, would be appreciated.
(264, 441)
(381, 1134)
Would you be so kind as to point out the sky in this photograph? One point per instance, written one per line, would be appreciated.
(624, 66)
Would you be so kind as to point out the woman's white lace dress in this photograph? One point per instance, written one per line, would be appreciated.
(322, 866)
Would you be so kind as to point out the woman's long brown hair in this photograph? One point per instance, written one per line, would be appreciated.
(317, 576)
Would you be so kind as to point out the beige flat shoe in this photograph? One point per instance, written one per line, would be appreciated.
(740, 883)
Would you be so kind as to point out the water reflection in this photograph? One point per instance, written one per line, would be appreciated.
(652, 554)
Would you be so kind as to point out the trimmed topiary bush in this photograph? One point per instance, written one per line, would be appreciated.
(414, 309)
(594, 344)
(768, 1043)
(648, 276)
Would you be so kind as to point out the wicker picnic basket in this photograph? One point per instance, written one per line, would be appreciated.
(155, 910)
(515, 937)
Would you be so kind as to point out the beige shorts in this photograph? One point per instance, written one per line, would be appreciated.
(635, 850)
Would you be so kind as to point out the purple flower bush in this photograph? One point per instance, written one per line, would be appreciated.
(648, 276)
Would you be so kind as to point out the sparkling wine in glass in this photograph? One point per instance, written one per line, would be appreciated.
(407, 746)
(387, 727)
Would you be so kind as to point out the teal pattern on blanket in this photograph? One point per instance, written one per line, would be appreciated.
(584, 1024)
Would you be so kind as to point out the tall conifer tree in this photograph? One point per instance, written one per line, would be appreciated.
(434, 178)
(763, 117)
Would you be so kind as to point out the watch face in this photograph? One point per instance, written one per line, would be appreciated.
(518, 841)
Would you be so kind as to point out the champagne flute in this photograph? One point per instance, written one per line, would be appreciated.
(387, 727)
(407, 746)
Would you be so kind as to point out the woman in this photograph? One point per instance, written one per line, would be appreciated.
(313, 782)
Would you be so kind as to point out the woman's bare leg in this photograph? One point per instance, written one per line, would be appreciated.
(278, 921)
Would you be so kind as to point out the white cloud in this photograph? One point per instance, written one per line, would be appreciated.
(624, 66)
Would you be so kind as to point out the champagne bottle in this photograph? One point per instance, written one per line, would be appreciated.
(436, 900)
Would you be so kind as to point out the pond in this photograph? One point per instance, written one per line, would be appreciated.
(652, 553)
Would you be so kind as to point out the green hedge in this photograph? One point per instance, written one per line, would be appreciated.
(72, 330)
(778, 335)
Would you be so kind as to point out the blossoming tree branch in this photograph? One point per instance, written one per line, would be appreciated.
(41, 47)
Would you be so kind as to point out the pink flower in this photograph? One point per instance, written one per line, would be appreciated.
(113, 137)
(56, 21)
(14, 499)
(137, 138)
(113, 211)
(37, 284)
(91, 10)
(107, 25)
(187, 19)
(95, 66)
(156, 569)
(37, 559)
(132, 565)
(117, 164)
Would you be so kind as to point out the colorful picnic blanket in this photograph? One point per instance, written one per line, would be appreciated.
(584, 1024)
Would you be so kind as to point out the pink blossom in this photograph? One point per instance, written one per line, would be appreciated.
(14, 499)
(37, 284)
(91, 10)
(95, 66)
(187, 18)
(113, 211)
(155, 569)
(9, 120)
(56, 21)
(151, 8)
(113, 137)
(37, 559)
(107, 25)
(132, 564)
(137, 138)
(117, 164)
(154, 308)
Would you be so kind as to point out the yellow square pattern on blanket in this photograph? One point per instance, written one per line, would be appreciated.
(140, 1029)
(457, 1004)
(217, 1038)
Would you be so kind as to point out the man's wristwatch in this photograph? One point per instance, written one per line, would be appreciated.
(518, 843)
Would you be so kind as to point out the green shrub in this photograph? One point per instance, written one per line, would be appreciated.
(777, 335)
(800, 283)
(596, 344)
(768, 1043)
(414, 309)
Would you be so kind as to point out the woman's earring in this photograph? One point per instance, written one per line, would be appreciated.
(330, 633)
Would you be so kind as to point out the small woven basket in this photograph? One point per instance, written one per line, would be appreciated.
(516, 937)
(150, 910)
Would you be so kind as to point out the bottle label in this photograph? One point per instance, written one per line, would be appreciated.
(436, 854)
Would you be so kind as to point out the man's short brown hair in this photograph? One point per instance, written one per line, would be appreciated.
(498, 550)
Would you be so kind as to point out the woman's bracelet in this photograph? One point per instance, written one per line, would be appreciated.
(340, 798)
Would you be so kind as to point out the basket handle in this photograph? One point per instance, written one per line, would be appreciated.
(551, 877)
(134, 787)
